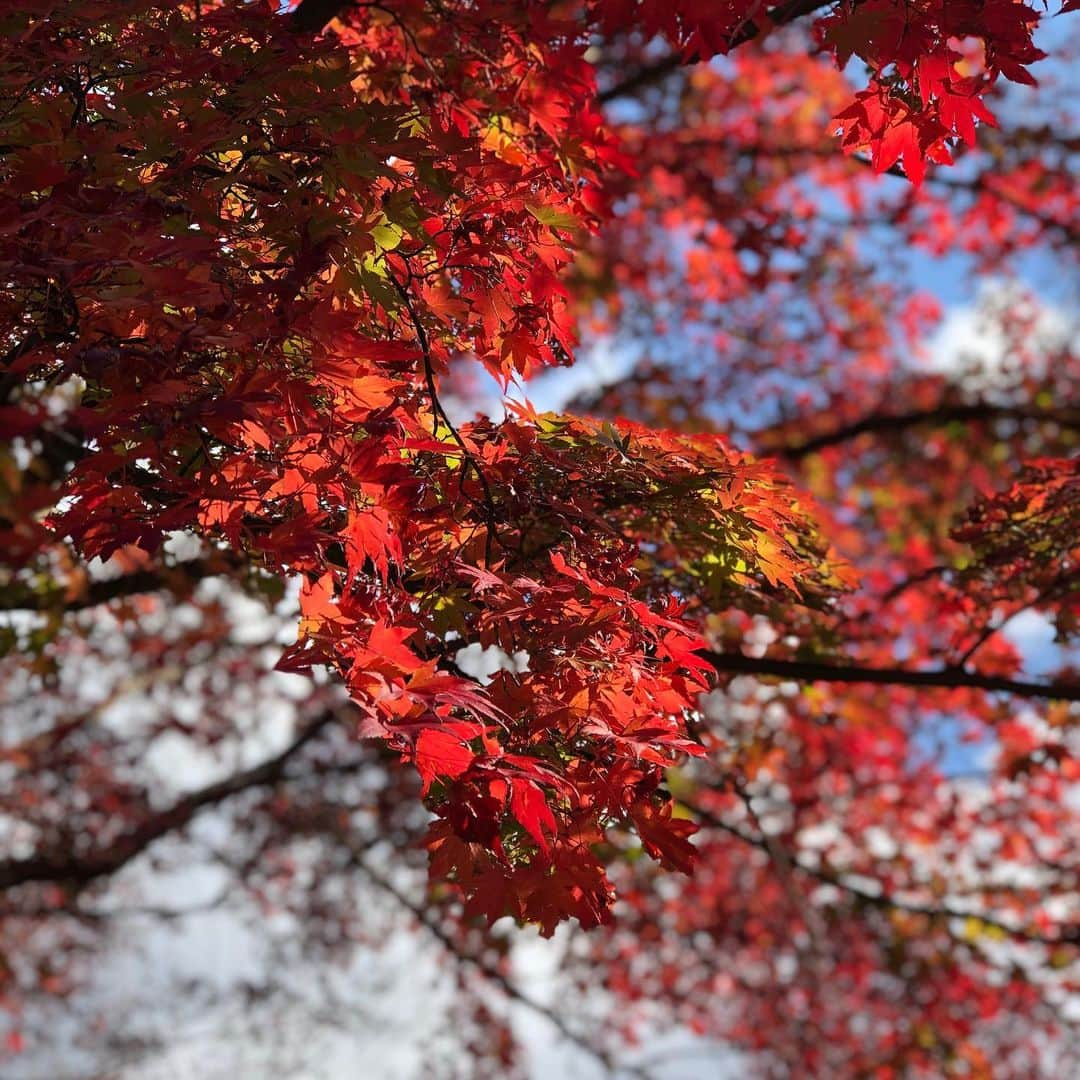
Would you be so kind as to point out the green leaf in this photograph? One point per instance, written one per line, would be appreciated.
(553, 218)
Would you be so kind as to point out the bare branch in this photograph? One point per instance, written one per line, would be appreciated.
(946, 678)
(882, 423)
(489, 971)
(780, 15)
(138, 582)
(81, 869)
(1070, 935)
(310, 16)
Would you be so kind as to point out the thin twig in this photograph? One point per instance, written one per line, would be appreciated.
(1070, 935)
(490, 971)
(440, 415)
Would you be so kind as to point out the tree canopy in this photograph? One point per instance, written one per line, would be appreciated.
(739, 601)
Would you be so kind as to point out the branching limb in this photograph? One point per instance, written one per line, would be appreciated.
(310, 16)
(440, 416)
(884, 423)
(489, 971)
(779, 15)
(946, 678)
(137, 583)
(79, 870)
(1070, 935)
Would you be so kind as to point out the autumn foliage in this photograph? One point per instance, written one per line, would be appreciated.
(249, 256)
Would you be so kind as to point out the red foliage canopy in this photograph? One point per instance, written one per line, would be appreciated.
(245, 253)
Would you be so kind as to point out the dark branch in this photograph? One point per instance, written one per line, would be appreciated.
(485, 967)
(881, 423)
(1069, 934)
(80, 870)
(310, 16)
(137, 583)
(947, 678)
(946, 180)
(439, 414)
(653, 73)
(645, 76)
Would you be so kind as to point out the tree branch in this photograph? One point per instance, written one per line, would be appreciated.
(101, 592)
(1069, 935)
(947, 678)
(81, 870)
(880, 423)
(489, 970)
(439, 414)
(310, 16)
(1070, 232)
(780, 15)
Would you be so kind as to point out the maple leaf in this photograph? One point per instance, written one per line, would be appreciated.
(665, 837)
(530, 807)
(441, 755)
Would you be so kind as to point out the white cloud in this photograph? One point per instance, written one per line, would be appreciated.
(1004, 332)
